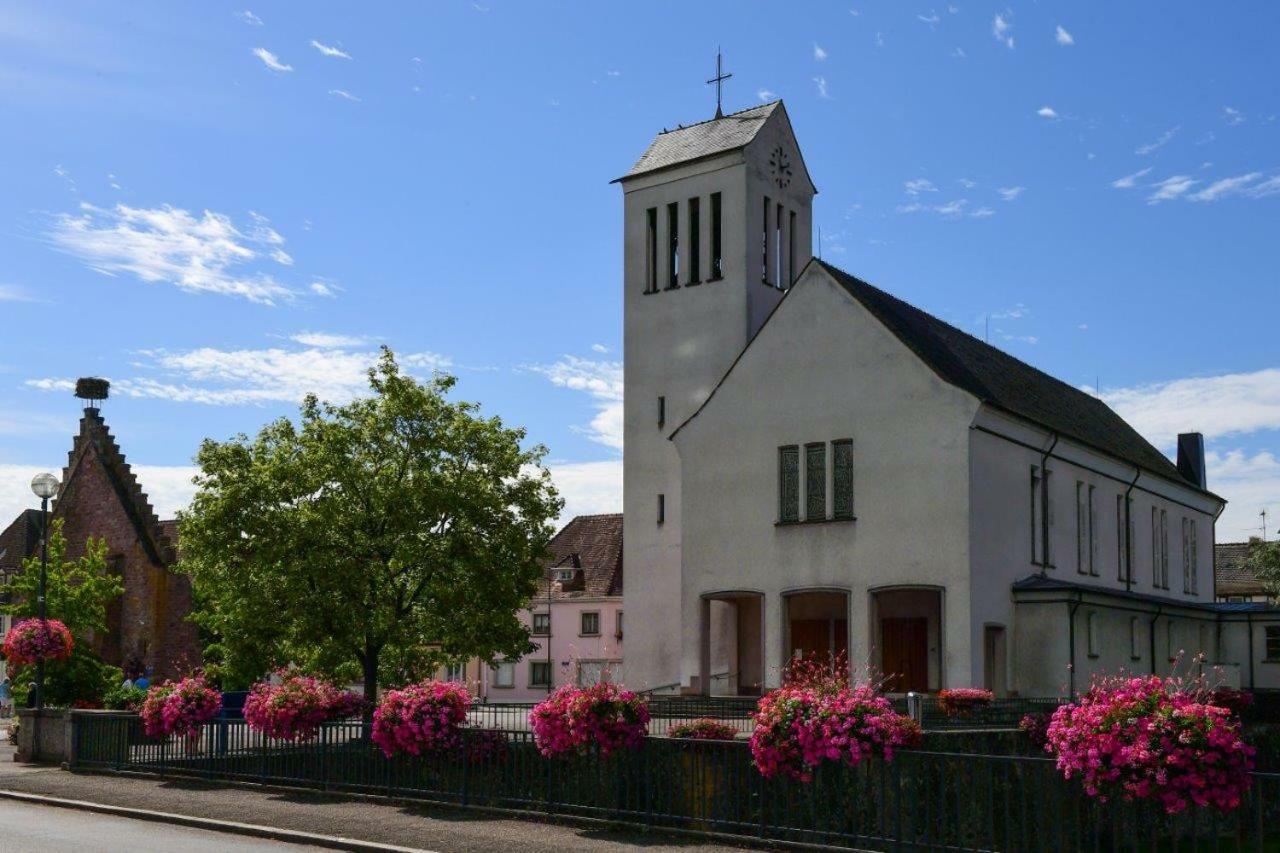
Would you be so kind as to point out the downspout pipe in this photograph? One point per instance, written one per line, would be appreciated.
(1072, 607)
(1128, 530)
(1151, 636)
(1249, 617)
(1044, 508)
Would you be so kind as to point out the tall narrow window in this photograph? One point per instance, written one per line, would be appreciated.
(842, 479)
(651, 251)
(662, 411)
(777, 247)
(1082, 529)
(1046, 518)
(1093, 538)
(662, 508)
(815, 481)
(717, 256)
(791, 249)
(1091, 631)
(1035, 515)
(1194, 550)
(1134, 650)
(673, 245)
(1122, 555)
(695, 241)
(1164, 549)
(1186, 554)
(764, 240)
(1155, 547)
(789, 483)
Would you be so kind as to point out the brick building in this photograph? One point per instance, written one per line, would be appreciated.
(100, 496)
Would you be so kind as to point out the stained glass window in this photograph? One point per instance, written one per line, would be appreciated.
(789, 483)
(815, 482)
(842, 476)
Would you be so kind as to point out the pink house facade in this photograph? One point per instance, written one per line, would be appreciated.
(576, 620)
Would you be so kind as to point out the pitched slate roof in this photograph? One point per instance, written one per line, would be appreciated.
(704, 139)
(1233, 576)
(593, 545)
(999, 379)
(18, 541)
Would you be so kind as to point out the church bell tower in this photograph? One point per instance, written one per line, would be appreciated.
(717, 225)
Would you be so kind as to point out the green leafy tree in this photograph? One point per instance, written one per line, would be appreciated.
(1264, 560)
(77, 593)
(394, 532)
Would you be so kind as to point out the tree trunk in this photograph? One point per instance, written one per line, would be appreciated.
(369, 663)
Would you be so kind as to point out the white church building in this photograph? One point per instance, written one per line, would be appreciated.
(813, 466)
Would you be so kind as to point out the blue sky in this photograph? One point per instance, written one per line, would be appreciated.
(220, 207)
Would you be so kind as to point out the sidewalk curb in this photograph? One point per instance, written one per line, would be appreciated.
(291, 836)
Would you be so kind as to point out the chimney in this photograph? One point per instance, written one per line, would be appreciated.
(1191, 457)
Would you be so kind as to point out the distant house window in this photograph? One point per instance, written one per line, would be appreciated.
(1091, 631)
(842, 478)
(539, 673)
(504, 674)
(815, 481)
(662, 411)
(717, 257)
(673, 245)
(590, 624)
(455, 672)
(651, 250)
(1273, 642)
(618, 632)
(542, 624)
(789, 483)
(695, 241)
(662, 509)
(1134, 651)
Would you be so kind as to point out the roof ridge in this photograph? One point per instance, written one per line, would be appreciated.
(680, 127)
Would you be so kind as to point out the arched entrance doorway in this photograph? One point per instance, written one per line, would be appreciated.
(817, 625)
(732, 653)
(906, 638)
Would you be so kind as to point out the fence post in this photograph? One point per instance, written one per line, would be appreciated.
(915, 707)
(324, 757)
(466, 769)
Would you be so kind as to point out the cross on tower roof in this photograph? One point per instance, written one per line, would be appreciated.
(718, 79)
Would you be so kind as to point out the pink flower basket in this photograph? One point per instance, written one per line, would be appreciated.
(963, 701)
(295, 708)
(32, 639)
(573, 719)
(799, 727)
(421, 718)
(180, 708)
(703, 729)
(1139, 739)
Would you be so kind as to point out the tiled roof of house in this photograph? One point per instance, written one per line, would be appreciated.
(704, 139)
(1233, 576)
(592, 546)
(19, 540)
(999, 379)
(94, 433)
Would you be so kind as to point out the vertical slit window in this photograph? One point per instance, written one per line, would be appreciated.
(1046, 518)
(1155, 547)
(662, 411)
(695, 241)
(1093, 538)
(1164, 549)
(815, 482)
(717, 257)
(651, 251)
(1121, 574)
(1082, 530)
(1035, 515)
(764, 243)
(777, 247)
(662, 508)
(1186, 555)
(842, 479)
(791, 249)
(673, 245)
(789, 483)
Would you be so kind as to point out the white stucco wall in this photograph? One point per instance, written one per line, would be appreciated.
(677, 345)
(823, 369)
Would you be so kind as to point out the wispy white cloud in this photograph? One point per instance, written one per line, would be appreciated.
(600, 348)
(916, 186)
(13, 293)
(982, 212)
(204, 253)
(344, 95)
(821, 83)
(602, 382)
(1232, 115)
(952, 208)
(330, 50)
(1160, 142)
(588, 488)
(1250, 483)
(1225, 187)
(765, 94)
(1128, 182)
(959, 53)
(270, 60)
(218, 377)
(1047, 112)
(1010, 193)
(328, 340)
(1017, 312)
(932, 19)
(1219, 406)
(1002, 29)
(249, 18)
(819, 53)
(966, 183)
(1171, 188)
(1062, 37)
(613, 73)
(324, 288)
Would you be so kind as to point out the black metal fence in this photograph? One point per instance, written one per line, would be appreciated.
(920, 800)
(1003, 713)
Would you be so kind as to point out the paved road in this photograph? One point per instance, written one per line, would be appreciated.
(45, 829)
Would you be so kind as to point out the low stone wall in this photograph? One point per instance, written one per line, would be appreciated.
(44, 736)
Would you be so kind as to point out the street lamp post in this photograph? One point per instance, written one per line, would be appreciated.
(45, 486)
